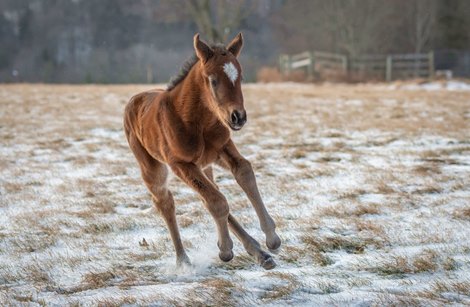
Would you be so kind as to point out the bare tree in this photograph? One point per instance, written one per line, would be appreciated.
(217, 19)
(354, 25)
(422, 16)
(346, 26)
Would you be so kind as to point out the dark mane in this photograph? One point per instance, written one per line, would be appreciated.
(186, 67)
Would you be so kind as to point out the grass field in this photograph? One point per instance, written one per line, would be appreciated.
(369, 186)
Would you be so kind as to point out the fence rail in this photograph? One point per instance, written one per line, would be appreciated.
(386, 67)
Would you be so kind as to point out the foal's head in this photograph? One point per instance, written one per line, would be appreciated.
(221, 74)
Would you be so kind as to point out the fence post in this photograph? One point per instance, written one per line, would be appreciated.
(281, 64)
(284, 64)
(344, 64)
(311, 65)
(289, 63)
(431, 64)
(388, 68)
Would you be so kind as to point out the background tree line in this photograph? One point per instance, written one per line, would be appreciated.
(121, 41)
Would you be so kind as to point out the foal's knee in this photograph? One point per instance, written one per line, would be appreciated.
(243, 170)
(218, 206)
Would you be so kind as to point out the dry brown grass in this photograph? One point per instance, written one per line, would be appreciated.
(427, 169)
(397, 300)
(352, 209)
(431, 188)
(375, 228)
(427, 261)
(395, 265)
(447, 292)
(463, 214)
(290, 284)
(355, 245)
(239, 262)
(291, 253)
(30, 243)
(211, 292)
(112, 302)
(97, 280)
(364, 209)
(459, 287)
(321, 259)
(38, 275)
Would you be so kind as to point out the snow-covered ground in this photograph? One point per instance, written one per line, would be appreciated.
(370, 189)
(450, 85)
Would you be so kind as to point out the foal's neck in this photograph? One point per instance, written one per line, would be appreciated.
(190, 99)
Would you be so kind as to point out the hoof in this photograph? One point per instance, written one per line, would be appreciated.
(183, 261)
(226, 256)
(267, 262)
(274, 244)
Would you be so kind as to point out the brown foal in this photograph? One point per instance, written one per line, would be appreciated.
(187, 127)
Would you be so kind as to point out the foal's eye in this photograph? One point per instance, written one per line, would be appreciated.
(213, 82)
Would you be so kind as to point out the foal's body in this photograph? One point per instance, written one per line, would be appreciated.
(186, 128)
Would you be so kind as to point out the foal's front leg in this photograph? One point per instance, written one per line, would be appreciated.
(250, 244)
(214, 201)
(243, 173)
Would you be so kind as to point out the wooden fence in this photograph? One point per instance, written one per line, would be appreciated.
(378, 67)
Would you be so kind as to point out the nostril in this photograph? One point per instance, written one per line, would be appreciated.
(243, 117)
(235, 117)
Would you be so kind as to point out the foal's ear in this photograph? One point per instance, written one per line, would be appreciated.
(203, 51)
(236, 44)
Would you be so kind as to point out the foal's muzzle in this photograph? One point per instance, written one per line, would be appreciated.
(237, 119)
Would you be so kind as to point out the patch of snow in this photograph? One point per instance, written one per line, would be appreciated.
(453, 85)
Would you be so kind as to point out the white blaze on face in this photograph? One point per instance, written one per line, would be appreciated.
(231, 72)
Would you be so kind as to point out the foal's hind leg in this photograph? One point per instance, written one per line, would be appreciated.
(165, 205)
(155, 175)
(214, 200)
